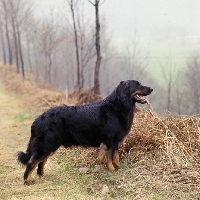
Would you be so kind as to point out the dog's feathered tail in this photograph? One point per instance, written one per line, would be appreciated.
(23, 158)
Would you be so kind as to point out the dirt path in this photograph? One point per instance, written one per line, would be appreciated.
(13, 136)
(10, 130)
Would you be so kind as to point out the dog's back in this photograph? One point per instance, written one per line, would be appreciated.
(86, 125)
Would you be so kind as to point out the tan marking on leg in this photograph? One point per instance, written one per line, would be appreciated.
(109, 160)
(110, 166)
(116, 158)
(28, 180)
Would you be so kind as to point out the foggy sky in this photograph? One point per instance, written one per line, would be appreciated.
(147, 16)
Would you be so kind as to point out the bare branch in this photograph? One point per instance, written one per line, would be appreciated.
(91, 3)
(102, 2)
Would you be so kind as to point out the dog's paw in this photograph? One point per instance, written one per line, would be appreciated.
(110, 166)
(26, 182)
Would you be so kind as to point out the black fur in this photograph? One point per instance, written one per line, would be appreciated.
(107, 121)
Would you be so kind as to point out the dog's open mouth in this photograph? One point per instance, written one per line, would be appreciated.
(141, 98)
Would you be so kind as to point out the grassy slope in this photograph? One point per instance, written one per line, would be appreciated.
(142, 179)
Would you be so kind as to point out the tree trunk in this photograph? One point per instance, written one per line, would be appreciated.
(6, 14)
(20, 52)
(169, 95)
(10, 59)
(98, 50)
(3, 45)
(50, 66)
(15, 42)
(36, 61)
(28, 52)
(81, 65)
(196, 101)
(76, 44)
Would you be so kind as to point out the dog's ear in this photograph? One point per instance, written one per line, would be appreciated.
(123, 89)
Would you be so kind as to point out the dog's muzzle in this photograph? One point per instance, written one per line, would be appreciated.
(139, 96)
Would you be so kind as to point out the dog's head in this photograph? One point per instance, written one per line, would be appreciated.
(134, 90)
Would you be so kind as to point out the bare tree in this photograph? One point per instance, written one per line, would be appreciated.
(23, 19)
(86, 44)
(2, 39)
(193, 82)
(30, 39)
(28, 42)
(45, 47)
(48, 40)
(20, 12)
(137, 62)
(15, 35)
(71, 3)
(98, 48)
(168, 71)
(5, 15)
(20, 51)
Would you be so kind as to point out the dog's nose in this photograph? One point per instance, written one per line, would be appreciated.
(151, 89)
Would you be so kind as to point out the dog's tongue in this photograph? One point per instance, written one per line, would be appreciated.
(144, 99)
(147, 101)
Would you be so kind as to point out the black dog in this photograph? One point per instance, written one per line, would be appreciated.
(105, 122)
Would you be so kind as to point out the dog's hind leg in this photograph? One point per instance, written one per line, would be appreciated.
(40, 169)
(32, 164)
(109, 159)
(27, 174)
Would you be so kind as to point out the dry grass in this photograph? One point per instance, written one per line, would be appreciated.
(159, 160)
(84, 96)
(175, 138)
(36, 98)
(38, 95)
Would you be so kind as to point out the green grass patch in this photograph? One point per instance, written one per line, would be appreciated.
(164, 195)
(3, 169)
(22, 117)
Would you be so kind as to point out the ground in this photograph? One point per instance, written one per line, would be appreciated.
(75, 173)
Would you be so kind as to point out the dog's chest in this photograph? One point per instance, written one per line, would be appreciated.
(129, 122)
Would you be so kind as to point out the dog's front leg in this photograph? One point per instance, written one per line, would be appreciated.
(109, 159)
(116, 158)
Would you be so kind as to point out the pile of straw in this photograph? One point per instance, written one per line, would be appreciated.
(84, 96)
(174, 137)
